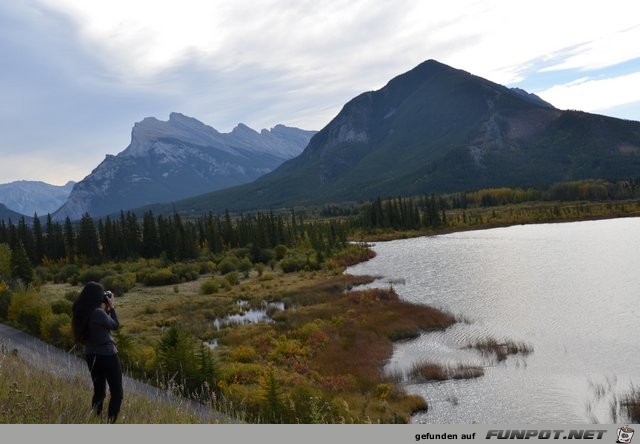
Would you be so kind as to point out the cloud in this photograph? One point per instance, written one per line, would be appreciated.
(595, 95)
(606, 50)
(81, 73)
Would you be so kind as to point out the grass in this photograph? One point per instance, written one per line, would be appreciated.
(32, 396)
(326, 350)
(423, 372)
(501, 350)
(630, 404)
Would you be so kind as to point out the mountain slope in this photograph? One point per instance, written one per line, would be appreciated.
(29, 197)
(181, 157)
(439, 129)
(6, 214)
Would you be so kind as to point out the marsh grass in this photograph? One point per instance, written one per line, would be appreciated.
(423, 372)
(330, 344)
(501, 350)
(630, 404)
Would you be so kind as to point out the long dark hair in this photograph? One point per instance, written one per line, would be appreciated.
(89, 299)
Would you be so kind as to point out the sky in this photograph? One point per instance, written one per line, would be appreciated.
(77, 74)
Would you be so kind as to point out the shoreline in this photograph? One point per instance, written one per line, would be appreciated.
(385, 236)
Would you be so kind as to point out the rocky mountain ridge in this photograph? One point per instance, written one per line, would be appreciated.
(178, 158)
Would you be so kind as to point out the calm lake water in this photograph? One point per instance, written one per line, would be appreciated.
(571, 291)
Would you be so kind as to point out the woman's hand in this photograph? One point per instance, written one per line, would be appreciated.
(109, 300)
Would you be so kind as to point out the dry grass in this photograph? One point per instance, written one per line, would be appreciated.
(32, 396)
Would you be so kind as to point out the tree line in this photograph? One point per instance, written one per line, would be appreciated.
(127, 237)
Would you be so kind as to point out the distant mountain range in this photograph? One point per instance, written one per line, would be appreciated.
(170, 160)
(7, 214)
(439, 129)
(30, 197)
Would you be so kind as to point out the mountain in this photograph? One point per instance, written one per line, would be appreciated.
(532, 98)
(29, 197)
(439, 129)
(6, 214)
(181, 157)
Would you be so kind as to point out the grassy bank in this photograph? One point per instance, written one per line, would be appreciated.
(31, 396)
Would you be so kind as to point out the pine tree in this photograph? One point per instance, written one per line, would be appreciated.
(20, 265)
(38, 239)
(87, 240)
(150, 239)
(69, 240)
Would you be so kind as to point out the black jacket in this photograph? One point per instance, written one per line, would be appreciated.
(99, 340)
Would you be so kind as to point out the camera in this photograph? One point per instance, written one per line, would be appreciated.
(106, 296)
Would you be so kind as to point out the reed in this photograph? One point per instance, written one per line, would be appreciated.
(501, 350)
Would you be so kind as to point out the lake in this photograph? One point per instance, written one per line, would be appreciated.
(571, 291)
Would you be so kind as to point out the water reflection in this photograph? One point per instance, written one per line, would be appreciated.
(249, 316)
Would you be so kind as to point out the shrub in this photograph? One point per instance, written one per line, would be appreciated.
(5, 300)
(264, 255)
(119, 284)
(244, 353)
(68, 273)
(209, 286)
(232, 278)
(61, 306)
(292, 264)
(93, 274)
(228, 264)
(28, 310)
(245, 266)
(186, 272)
(57, 330)
(5, 262)
(71, 295)
(164, 276)
(208, 267)
(280, 251)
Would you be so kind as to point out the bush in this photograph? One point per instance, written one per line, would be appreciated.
(61, 306)
(28, 310)
(207, 267)
(280, 251)
(264, 256)
(186, 272)
(228, 264)
(119, 284)
(68, 273)
(292, 264)
(57, 330)
(245, 266)
(93, 274)
(244, 353)
(5, 300)
(209, 286)
(232, 278)
(71, 295)
(164, 276)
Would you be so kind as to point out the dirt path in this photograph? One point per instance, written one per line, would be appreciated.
(51, 359)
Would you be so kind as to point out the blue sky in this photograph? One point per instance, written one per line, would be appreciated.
(76, 74)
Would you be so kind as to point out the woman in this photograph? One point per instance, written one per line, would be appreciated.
(92, 326)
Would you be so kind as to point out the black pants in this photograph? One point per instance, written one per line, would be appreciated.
(106, 369)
